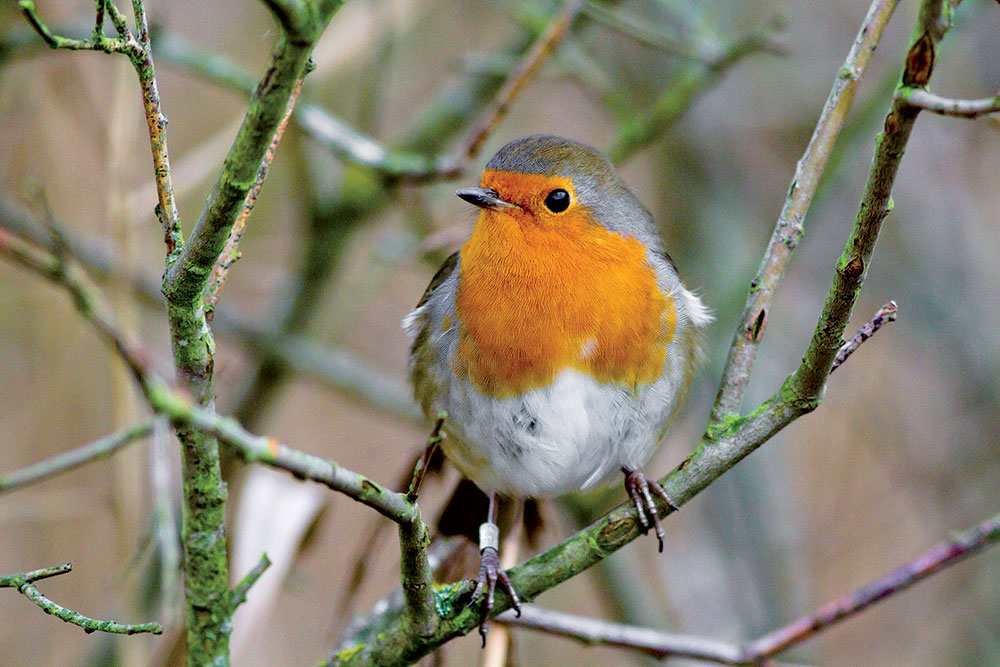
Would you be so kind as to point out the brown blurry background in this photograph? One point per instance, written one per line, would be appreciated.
(903, 450)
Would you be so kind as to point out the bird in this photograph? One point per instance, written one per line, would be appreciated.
(557, 343)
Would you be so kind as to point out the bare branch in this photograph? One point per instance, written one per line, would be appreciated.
(644, 640)
(24, 583)
(519, 78)
(790, 225)
(231, 252)
(944, 106)
(239, 594)
(937, 558)
(886, 313)
(74, 458)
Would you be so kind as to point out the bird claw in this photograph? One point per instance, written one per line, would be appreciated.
(641, 490)
(489, 575)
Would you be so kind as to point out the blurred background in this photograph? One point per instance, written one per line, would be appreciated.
(902, 452)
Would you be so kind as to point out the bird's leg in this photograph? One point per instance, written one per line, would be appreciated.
(489, 569)
(641, 491)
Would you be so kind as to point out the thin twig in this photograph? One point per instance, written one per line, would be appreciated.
(645, 640)
(790, 225)
(24, 583)
(886, 313)
(239, 593)
(231, 253)
(519, 78)
(94, 451)
(944, 106)
(435, 438)
(935, 559)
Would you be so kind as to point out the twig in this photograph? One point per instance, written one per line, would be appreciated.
(645, 640)
(231, 253)
(691, 79)
(24, 583)
(94, 451)
(519, 78)
(944, 106)
(435, 438)
(790, 225)
(935, 559)
(886, 313)
(239, 593)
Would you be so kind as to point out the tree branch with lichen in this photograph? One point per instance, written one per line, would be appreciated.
(24, 582)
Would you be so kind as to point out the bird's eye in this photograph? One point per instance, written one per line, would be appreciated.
(557, 201)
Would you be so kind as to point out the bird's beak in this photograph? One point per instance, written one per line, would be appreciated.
(484, 198)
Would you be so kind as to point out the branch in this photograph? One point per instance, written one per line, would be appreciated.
(644, 640)
(944, 106)
(663, 645)
(24, 583)
(520, 77)
(886, 313)
(415, 575)
(74, 458)
(188, 274)
(239, 593)
(935, 559)
(789, 228)
(231, 252)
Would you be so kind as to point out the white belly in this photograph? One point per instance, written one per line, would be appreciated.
(567, 436)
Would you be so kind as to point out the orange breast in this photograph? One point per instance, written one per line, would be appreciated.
(536, 299)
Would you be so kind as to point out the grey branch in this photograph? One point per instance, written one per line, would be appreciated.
(945, 106)
(664, 644)
(94, 451)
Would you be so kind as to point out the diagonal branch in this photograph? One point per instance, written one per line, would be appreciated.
(179, 406)
(519, 78)
(74, 458)
(790, 225)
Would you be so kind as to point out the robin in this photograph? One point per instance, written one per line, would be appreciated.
(558, 341)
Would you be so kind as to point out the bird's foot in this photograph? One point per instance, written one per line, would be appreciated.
(489, 575)
(641, 490)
